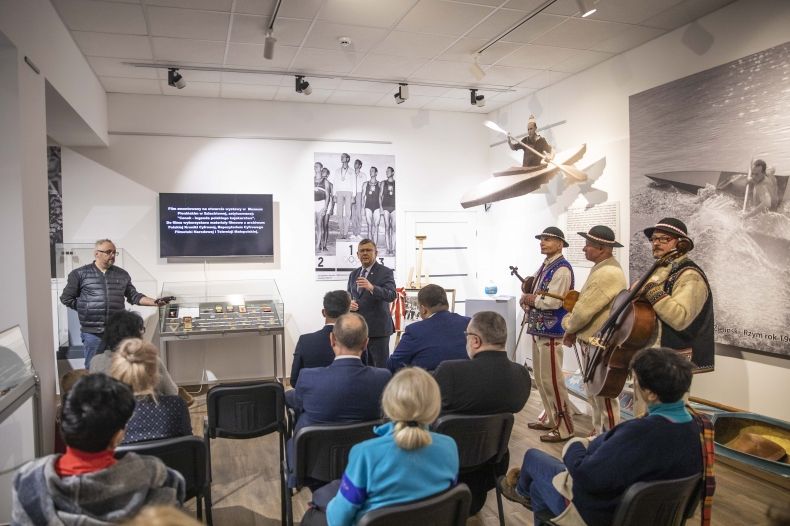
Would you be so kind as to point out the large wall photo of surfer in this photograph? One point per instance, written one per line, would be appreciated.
(713, 149)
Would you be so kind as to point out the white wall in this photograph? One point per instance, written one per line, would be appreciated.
(38, 33)
(113, 191)
(594, 105)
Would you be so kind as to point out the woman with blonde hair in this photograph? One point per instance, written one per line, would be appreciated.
(407, 462)
(135, 363)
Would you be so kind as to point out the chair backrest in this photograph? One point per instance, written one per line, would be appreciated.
(186, 454)
(321, 451)
(449, 508)
(245, 410)
(480, 438)
(663, 502)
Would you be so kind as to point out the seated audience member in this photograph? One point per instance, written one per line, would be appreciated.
(67, 381)
(155, 416)
(314, 349)
(437, 337)
(407, 462)
(588, 484)
(87, 484)
(346, 390)
(487, 384)
(162, 516)
(120, 326)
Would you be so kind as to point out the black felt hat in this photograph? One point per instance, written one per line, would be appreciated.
(673, 227)
(601, 234)
(553, 231)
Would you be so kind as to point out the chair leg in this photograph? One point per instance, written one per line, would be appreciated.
(207, 498)
(199, 507)
(499, 501)
(282, 482)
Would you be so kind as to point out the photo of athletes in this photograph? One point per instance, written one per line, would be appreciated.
(354, 199)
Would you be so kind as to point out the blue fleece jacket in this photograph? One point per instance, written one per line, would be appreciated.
(379, 473)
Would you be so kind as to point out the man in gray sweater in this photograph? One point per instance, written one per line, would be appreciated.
(87, 485)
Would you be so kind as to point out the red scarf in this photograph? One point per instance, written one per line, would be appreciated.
(76, 462)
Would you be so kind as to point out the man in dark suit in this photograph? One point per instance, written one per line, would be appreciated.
(438, 337)
(372, 289)
(314, 349)
(345, 391)
(487, 384)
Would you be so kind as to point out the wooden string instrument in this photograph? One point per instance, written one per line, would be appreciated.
(527, 285)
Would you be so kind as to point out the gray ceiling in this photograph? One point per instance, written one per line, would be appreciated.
(413, 41)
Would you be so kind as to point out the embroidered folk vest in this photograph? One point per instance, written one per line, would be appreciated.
(548, 322)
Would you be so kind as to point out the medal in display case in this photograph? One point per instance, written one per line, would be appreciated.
(219, 309)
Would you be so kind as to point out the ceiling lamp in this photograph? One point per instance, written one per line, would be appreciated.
(475, 99)
(302, 86)
(402, 94)
(475, 68)
(585, 11)
(175, 79)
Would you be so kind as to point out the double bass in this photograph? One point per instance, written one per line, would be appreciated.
(631, 323)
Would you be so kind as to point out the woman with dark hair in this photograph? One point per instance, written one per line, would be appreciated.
(388, 210)
(371, 191)
(120, 326)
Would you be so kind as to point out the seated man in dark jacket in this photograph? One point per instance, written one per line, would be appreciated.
(487, 384)
(88, 485)
(437, 337)
(588, 484)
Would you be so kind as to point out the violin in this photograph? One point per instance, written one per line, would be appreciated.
(528, 285)
(631, 323)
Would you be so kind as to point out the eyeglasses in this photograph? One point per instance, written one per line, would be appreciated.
(661, 239)
(108, 252)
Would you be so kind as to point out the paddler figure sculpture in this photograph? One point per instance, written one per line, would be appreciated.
(532, 161)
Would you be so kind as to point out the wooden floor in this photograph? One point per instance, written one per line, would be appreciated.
(246, 489)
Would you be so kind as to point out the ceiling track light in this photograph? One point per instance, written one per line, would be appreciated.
(270, 41)
(402, 94)
(477, 72)
(175, 79)
(302, 86)
(585, 10)
(475, 99)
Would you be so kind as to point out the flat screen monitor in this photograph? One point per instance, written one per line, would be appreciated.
(215, 225)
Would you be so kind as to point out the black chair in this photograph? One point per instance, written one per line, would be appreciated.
(449, 508)
(482, 441)
(659, 503)
(246, 410)
(187, 455)
(320, 453)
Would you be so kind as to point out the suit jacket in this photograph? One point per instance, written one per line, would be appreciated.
(374, 306)
(487, 384)
(345, 391)
(312, 350)
(429, 342)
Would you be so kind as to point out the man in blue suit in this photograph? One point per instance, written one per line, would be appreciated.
(372, 289)
(314, 349)
(347, 390)
(438, 337)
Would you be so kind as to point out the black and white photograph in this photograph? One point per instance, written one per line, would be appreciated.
(354, 199)
(713, 149)
(55, 197)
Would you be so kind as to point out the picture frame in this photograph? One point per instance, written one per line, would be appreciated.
(411, 311)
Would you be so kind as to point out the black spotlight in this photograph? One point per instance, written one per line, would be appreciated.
(175, 79)
(475, 99)
(302, 86)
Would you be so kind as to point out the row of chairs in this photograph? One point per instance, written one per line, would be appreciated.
(240, 411)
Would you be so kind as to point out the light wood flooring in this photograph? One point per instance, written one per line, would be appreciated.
(246, 489)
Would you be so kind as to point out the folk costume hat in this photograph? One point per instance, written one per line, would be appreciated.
(669, 225)
(553, 231)
(603, 235)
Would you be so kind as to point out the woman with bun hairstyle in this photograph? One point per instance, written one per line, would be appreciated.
(407, 462)
(155, 416)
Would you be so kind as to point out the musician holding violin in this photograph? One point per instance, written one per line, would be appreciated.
(591, 310)
(542, 301)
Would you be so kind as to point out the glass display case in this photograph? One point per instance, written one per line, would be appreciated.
(211, 310)
(218, 307)
(18, 383)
